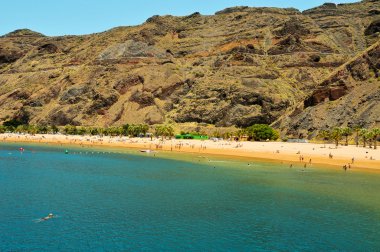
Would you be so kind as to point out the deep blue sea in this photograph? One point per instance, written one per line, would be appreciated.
(132, 202)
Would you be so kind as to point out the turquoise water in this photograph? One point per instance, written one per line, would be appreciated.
(114, 201)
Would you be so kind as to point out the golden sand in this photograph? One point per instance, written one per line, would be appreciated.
(290, 153)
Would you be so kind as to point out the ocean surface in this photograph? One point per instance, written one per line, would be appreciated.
(110, 201)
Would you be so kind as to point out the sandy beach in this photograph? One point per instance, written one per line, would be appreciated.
(289, 153)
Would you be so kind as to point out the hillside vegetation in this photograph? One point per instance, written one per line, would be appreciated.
(300, 71)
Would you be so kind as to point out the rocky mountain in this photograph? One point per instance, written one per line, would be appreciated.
(350, 96)
(238, 67)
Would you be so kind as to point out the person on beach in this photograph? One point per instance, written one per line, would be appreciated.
(352, 160)
(310, 161)
(345, 167)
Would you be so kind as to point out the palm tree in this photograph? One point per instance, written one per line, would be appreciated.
(170, 131)
(325, 135)
(160, 131)
(336, 134)
(82, 131)
(54, 129)
(94, 131)
(346, 132)
(357, 129)
(125, 129)
(143, 129)
(133, 130)
(20, 129)
(32, 130)
(370, 137)
(241, 133)
(376, 134)
(363, 133)
(42, 129)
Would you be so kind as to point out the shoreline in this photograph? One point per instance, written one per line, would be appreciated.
(281, 152)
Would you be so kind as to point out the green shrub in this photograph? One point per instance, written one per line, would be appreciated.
(261, 132)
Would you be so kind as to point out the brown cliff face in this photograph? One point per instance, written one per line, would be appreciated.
(238, 67)
(350, 96)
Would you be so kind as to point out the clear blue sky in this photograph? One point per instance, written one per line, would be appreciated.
(62, 17)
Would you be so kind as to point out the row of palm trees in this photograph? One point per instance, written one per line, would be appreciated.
(368, 136)
(125, 130)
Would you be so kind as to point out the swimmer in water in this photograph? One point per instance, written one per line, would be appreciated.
(48, 217)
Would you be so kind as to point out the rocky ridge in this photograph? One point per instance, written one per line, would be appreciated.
(238, 67)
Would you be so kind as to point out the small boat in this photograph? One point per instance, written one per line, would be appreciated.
(146, 151)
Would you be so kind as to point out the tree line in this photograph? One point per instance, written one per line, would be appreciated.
(256, 132)
(366, 136)
(133, 130)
